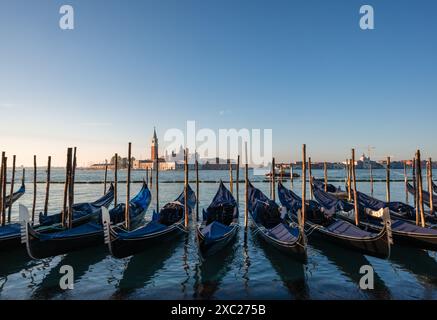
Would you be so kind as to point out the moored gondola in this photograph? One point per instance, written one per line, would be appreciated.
(41, 245)
(344, 233)
(403, 231)
(330, 188)
(82, 212)
(220, 223)
(270, 223)
(398, 209)
(165, 225)
(426, 200)
(10, 233)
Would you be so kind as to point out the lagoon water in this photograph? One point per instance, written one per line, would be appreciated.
(249, 269)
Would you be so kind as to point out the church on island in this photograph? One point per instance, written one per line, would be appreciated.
(172, 161)
(175, 160)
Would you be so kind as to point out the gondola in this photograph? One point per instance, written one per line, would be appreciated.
(403, 231)
(164, 226)
(271, 225)
(338, 192)
(220, 223)
(341, 232)
(82, 212)
(426, 198)
(398, 210)
(10, 233)
(41, 245)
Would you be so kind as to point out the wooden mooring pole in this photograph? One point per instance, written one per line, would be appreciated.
(304, 186)
(127, 206)
(420, 188)
(387, 183)
(46, 201)
(116, 180)
(2, 188)
(186, 211)
(325, 171)
(246, 192)
(357, 221)
(273, 180)
(197, 187)
(406, 181)
(14, 158)
(34, 189)
(64, 215)
(430, 192)
(231, 177)
(238, 181)
(106, 177)
(310, 174)
(3, 222)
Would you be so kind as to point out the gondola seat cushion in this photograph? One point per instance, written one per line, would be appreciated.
(345, 228)
(9, 230)
(399, 225)
(215, 230)
(90, 227)
(149, 228)
(170, 214)
(283, 233)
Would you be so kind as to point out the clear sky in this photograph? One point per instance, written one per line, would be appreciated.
(302, 68)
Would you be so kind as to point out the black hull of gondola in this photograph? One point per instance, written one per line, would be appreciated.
(376, 247)
(427, 242)
(210, 248)
(10, 243)
(40, 249)
(121, 248)
(296, 250)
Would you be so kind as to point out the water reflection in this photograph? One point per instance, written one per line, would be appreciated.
(14, 261)
(210, 272)
(349, 263)
(417, 262)
(81, 261)
(290, 271)
(141, 268)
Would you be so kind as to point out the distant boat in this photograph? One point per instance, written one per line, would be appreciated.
(285, 174)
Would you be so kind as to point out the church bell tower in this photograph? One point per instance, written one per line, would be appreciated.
(154, 147)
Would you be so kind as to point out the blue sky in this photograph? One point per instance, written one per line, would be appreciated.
(302, 68)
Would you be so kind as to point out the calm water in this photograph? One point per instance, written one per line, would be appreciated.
(247, 269)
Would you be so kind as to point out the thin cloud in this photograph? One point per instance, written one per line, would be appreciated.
(224, 112)
(96, 124)
(6, 105)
